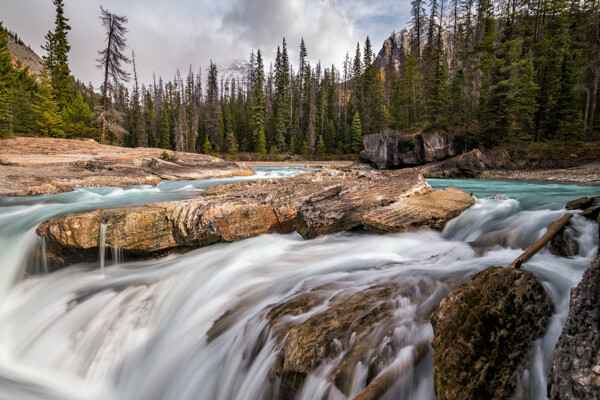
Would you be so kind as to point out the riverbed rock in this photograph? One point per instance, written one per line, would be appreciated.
(354, 327)
(483, 333)
(35, 166)
(583, 203)
(577, 352)
(563, 244)
(313, 204)
(400, 149)
(469, 165)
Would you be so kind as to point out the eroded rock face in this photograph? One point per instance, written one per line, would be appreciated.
(577, 352)
(469, 165)
(483, 332)
(34, 166)
(395, 149)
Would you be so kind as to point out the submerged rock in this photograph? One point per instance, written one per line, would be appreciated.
(396, 149)
(313, 204)
(483, 333)
(577, 353)
(352, 328)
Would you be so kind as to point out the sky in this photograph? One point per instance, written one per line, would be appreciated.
(167, 35)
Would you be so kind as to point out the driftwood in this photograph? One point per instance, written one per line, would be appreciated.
(541, 242)
(382, 383)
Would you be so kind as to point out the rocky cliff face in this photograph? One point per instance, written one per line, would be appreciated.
(575, 366)
(483, 332)
(23, 54)
(313, 204)
(395, 149)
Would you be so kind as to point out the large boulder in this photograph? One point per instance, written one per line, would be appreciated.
(575, 365)
(469, 165)
(397, 149)
(313, 204)
(483, 333)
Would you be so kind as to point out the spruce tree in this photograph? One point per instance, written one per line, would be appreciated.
(207, 147)
(50, 122)
(258, 111)
(57, 57)
(523, 105)
(7, 77)
(165, 131)
(356, 134)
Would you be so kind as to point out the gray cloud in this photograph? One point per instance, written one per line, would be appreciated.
(180, 33)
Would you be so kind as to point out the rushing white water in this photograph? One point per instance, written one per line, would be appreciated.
(140, 332)
(102, 247)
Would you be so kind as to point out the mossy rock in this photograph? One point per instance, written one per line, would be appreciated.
(483, 332)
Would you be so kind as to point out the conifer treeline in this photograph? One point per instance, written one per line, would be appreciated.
(499, 71)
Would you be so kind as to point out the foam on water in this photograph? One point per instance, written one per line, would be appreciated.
(140, 332)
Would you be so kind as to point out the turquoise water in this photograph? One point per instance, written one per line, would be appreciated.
(138, 331)
(531, 196)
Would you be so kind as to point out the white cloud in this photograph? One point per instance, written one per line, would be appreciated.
(175, 34)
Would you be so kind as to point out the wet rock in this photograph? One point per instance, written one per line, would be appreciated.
(396, 149)
(483, 333)
(351, 327)
(564, 243)
(34, 166)
(577, 353)
(583, 203)
(313, 204)
(431, 209)
(591, 213)
(468, 165)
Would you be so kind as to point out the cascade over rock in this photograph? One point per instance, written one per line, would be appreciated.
(313, 204)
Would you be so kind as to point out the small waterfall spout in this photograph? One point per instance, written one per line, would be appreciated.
(44, 259)
(102, 246)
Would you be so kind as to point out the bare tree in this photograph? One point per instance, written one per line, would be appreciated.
(112, 58)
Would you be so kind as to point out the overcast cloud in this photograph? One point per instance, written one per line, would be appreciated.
(179, 33)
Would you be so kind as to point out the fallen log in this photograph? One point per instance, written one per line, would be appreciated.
(541, 242)
(382, 383)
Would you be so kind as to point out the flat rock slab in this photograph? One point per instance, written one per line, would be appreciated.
(313, 204)
(35, 166)
(483, 333)
(577, 352)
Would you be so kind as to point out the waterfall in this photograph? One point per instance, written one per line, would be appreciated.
(44, 259)
(196, 325)
(102, 246)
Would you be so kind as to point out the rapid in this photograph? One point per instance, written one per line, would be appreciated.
(138, 329)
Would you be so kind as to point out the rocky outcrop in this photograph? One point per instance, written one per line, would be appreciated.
(583, 203)
(314, 204)
(34, 166)
(483, 332)
(395, 149)
(564, 243)
(469, 165)
(575, 365)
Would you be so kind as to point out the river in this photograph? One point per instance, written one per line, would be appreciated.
(137, 329)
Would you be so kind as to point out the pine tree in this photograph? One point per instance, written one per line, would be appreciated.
(258, 111)
(261, 145)
(7, 77)
(57, 58)
(50, 122)
(207, 147)
(320, 147)
(165, 131)
(522, 105)
(111, 60)
(138, 133)
(356, 134)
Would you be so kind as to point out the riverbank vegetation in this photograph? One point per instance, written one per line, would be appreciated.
(502, 73)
